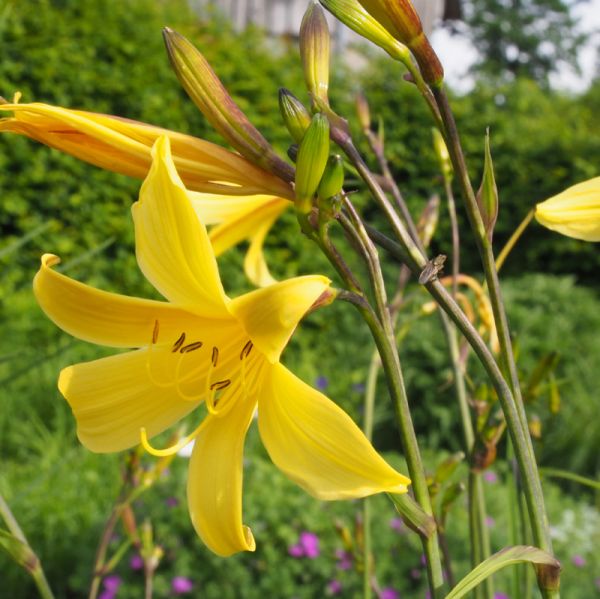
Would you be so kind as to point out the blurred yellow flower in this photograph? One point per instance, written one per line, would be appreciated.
(575, 212)
(226, 188)
(203, 348)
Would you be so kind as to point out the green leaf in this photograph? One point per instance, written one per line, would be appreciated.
(507, 557)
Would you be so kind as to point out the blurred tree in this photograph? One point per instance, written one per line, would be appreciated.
(523, 38)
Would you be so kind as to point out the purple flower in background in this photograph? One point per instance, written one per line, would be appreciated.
(490, 476)
(172, 501)
(578, 561)
(310, 544)
(490, 522)
(181, 585)
(296, 550)
(389, 593)
(597, 581)
(359, 387)
(427, 594)
(136, 562)
(423, 560)
(415, 573)
(111, 585)
(397, 524)
(321, 383)
(344, 559)
(501, 596)
(334, 587)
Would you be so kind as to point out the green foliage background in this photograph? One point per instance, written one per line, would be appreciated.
(107, 56)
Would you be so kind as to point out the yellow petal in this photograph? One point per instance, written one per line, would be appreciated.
(112, 398)
(172, 246)
(124, 146)
(107, 318)
(317, 445)
(253, 224)
(215, 481)
(271, 314)
(575, 212)
(213, 209)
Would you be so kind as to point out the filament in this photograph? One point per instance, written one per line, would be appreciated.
(168, 451)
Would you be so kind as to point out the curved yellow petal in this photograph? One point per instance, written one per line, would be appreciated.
(317, 445)
(253, 224)
(575, 212)
(271, 314)
(215, 481)
(172, 246)
(107, 318)
(112, 398)
(213, 209)
(124, 146)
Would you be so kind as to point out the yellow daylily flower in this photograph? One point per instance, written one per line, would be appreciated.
(201, 347)
(228, 189)
(574, 212)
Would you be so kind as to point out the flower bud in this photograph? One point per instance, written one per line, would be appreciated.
(210, 96)
(312, 160)
(314, 51)
(295, 116)
(443, 156)
(354, 16)
(575, 212)
(487, 196)
(428, 220)
(400, 18)
(332, 179)
(363, 112)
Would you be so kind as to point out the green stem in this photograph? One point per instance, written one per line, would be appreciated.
(510, 244)
(383, 334)
(33, 564)
(521, 438)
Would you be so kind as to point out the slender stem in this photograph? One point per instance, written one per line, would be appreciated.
(32, 563)
(455, 235)
(383, 334)
(510, 244)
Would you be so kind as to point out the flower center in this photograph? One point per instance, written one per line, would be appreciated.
(217, 375)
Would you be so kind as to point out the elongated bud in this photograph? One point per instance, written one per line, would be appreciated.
(487, 196)
(295, 116)
(428, 220)
(443, 156)
(363, 112)
(210, 96)
(312, 160)
(354, 15)
(400, 18)
(314, 51)
(332, 180)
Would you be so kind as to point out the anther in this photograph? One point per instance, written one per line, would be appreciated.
(178, 343)
(246, 350)
(220, 385)
(215, 356)
(155, 332)
(191, 347)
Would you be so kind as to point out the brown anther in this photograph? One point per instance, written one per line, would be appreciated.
(178, 343)
(191, 347)
(215, 356)
(220, 385)
(155, 332)
(246, 350)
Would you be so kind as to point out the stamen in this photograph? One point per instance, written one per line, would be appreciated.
(186, 349)
(168, 451)
(178, 343)
(215, 356)
(220, 385)
(246, 350)
(155, 332)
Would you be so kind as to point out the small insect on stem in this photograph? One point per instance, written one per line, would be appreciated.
(432, 269)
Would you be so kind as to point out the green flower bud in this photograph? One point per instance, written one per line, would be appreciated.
(352, 14)
(443, 156)
(210, 96)
(295, 116)
(363, 112)
(312, 160)
(314, 51)
(487, 196)
(332, 180)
